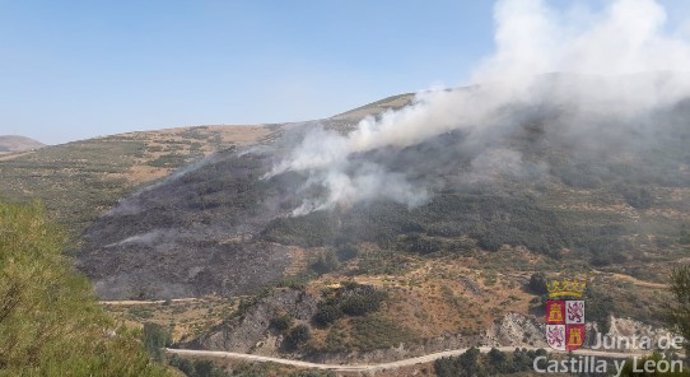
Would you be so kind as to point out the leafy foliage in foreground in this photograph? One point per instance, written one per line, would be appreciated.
(50, 324)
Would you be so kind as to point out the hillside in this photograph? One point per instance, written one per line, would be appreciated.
(449, 272)
(106, 169)
(14, 144)
(79, 181)
(432, 246)
(565, 206)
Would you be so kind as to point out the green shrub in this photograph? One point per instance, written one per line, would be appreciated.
(327, 314)
(50, 323)
(351, 299)
(494, 363)
(362, 303)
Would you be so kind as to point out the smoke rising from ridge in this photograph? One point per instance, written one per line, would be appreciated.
(620, 65)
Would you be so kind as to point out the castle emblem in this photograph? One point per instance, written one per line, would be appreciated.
(565, 314)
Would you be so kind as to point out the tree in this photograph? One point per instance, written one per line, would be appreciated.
(679, 310)
(498, 361)
(50, 323)
(469, 361)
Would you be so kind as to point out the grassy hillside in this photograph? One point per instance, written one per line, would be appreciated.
(81, 180)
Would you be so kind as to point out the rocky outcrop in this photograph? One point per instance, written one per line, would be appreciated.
(517, 330)
(626, 334)
(250, 331)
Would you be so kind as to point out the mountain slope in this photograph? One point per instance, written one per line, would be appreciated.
(221, 227)
(182, 213)
(79, 181)
(13, 143)
(102, 170)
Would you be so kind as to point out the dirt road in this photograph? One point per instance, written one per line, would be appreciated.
(146, 302)
(374, 367)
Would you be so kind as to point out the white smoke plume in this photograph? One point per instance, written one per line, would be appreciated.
(621, 62)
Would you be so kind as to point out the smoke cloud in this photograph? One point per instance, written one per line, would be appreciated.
(615, 65)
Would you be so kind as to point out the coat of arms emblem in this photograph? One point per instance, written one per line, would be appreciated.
(565, 315)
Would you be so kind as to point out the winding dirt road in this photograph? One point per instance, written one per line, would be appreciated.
(146, 302)
(376, 367)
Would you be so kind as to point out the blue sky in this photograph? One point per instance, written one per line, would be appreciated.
(76, 69)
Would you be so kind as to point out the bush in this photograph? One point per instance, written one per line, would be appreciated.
(600, 305)
(352, 299)
(684, 238)
(198, 368)
(325, 262)
(155, 339)
(347, 252)
(421, 245)
(282, 322)
(495, 363)
(327, 314)
(297, 336)
(637, 197)
(607, 258)
(362, 303)
(488, 242)
(537, 284)
(313, 373)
